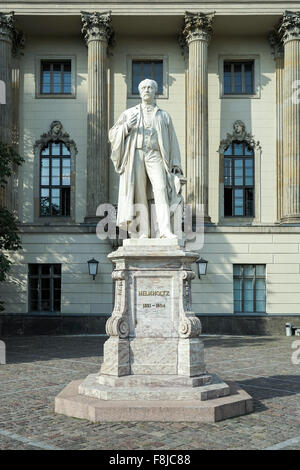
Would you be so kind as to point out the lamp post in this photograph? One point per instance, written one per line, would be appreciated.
(202, 267)
(93, 267)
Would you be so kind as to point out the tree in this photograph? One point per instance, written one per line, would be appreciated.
(9, 238)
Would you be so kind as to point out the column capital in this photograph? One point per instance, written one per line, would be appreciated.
(96, 26)
(197, 26)
(276, 44)
(9, 33)
(289, 26)
(7, 26)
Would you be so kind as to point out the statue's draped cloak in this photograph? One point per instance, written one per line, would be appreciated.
(123, 145)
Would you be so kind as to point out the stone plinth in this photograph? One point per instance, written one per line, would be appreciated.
(154, 357)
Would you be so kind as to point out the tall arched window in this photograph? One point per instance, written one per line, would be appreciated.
(55, 156)
(240, 159)
(239, 180)
(55, 180)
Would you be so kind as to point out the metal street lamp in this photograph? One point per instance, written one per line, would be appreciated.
(202, 267)
(93, 267)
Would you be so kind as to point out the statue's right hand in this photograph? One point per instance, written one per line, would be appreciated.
(131, 121)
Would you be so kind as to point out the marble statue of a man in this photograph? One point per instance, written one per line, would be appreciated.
(146, 154)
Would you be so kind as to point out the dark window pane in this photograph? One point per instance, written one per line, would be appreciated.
(228, 202)
(55, 150)
(65, 150)
(238, 148)
(249, 203)
(158, 76)
(248, 151)
(238, 78)
(136, 77)
(33, 269)
(57, 269)
(67, 82)
(45, 151)
(227, 172)
(237, 270)
(34, 306)
(228, 151)
(260, 270)
(44, 181)
(147, 70)
(249, 78)
(34, 294)
(45, 269)
(238, 173)
(227, 78)
(65, 201)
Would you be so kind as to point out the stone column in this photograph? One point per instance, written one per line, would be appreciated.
(97, 32)
(277, 52)
(289, 31)
(197, 31)
(10, 41)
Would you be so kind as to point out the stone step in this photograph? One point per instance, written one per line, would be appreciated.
(92, 388)
(154, 380)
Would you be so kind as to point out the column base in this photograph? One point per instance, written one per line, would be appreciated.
(290, 219)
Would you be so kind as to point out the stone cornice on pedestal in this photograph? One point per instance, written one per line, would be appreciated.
(197, 26)
(289, 26)
(276, 44)
(97, 27)
(8, 32)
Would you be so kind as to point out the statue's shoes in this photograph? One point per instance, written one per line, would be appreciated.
(168, 235)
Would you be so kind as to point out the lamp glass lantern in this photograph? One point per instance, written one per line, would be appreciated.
(202, 267)
(93, 267)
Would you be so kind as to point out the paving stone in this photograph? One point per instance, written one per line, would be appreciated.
(38, 368)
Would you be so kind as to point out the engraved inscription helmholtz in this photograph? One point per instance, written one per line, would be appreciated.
(153, 300)
(160, 293)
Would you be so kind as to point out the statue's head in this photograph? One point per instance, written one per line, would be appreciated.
(239, 127)
(147, 89)
(56, 128)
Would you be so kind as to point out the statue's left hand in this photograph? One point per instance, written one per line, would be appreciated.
(176, 170)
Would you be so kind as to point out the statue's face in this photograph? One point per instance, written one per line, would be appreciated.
(147, 91)
(238, 128)
(56, 129)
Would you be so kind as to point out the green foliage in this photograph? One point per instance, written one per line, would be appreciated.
(9, 160)
(9, 238)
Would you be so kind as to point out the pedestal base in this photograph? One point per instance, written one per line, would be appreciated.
(153, 367)
(70, 403)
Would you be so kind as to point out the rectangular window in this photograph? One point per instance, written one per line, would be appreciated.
(249, 288)
(56, 78)
(239, 180)
(142, 69)
(44, 281)
(239, 77)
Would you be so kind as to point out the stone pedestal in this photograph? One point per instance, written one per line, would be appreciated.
(154, 356)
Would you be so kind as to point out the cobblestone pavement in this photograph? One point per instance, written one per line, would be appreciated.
(38, 368)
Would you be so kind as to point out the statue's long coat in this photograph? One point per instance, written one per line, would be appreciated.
(123, 145)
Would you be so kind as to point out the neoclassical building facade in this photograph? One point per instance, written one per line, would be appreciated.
(228, 72)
